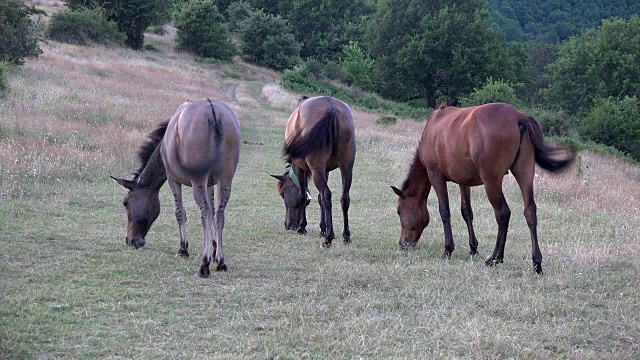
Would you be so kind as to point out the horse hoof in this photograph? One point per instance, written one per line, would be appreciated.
(323, 233)
(347, 239)
(302, 231)
(203, 272)
(221, 267)
(538, 268)
(183, 253)
(326, 244)
(447, 255)
(490, 262)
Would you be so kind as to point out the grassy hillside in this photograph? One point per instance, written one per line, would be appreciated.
(72, 289)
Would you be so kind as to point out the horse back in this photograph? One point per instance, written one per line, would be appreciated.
(202, 139)
(323, 127)
(466, 144)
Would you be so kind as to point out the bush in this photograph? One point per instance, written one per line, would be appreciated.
(492, 91)
(267, 40)
(4, 79)
(17, 32)
(615, 123)
(83, 27)
(358, 66)
(201, 30)
(237, 12)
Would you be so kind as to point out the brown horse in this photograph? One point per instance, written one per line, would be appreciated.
(319, 138)
(474, 146)
(198, 147)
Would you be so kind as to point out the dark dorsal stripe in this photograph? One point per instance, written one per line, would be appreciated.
(214, 124)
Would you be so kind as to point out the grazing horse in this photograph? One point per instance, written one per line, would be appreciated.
(198, 147)
(475, 146)
(319, 138)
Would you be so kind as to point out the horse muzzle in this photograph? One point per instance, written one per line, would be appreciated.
(136, 242)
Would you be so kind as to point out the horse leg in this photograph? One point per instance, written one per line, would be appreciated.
(440, 187)
(201, 198)
(345, 200)
(224, 192)
(493, 188)
(319, 179)
(181, 217)
(323, 221)
(467, 215)
(524, 176)
(302, 214)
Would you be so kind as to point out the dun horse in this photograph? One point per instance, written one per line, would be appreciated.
(319, 138)
(198, 147)
(475, 146)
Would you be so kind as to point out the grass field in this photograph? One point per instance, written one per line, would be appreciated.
(72, 289)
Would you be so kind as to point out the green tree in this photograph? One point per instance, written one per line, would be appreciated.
(438, 50)
(237, 12)
(132, 16)
(84, 26)
(492, 91)
(17, 32)
(615, 122)
(358, 65)
(267, 40)
(600, 63)
(201, 30)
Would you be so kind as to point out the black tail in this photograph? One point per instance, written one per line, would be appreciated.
(321, 137)
(549, 156)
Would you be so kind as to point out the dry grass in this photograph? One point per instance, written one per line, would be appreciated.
(71, 289)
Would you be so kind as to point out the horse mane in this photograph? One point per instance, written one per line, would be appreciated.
(146, 150)
(322, 136)
(405, 183)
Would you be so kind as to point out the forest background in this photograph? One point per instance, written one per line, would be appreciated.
(573, 64)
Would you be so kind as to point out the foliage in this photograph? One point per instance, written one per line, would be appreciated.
(17, 32)
(615, 123)
(301, 82)
(325, 26)
(555, 122)
(386, 120)
(553, 21)
(492, 91)
(84, 26)
(600, 63)
(438, 50)
(132, 16)
(4, 78)
(357, 65)
(237, 12)
(201, 30)
(267, 40)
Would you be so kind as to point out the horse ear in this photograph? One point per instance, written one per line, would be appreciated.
(126, 183)
(279, 177)
(397, 191)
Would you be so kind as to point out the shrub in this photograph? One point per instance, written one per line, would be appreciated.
(17, 32)
(615, 122)
(358, 66)
(201, 30)
(237, 12)
(267, 40)
(84, 26)
(132, 16)
(492, 91)
(386, 120)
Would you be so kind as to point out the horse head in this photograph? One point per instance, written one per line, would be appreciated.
(414, 217)
(289, 189)
(143, 207)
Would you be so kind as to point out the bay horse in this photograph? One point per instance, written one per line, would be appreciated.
(199, 146)
(477, 146)
(319, 137)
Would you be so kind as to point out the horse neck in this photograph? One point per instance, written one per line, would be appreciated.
(418, 183)
(154, 174)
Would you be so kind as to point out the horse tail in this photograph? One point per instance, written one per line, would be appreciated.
(549, 156)
(322, 136)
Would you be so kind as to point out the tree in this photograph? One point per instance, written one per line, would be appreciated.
(438, 50)
(357, 65)
(600, 63)
(17, 32)
(132, 16)
(201, 30)
(267, 40)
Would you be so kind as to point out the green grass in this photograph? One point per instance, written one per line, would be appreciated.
(72, 289)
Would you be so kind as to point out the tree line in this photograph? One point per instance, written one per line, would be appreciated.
(571, 59)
